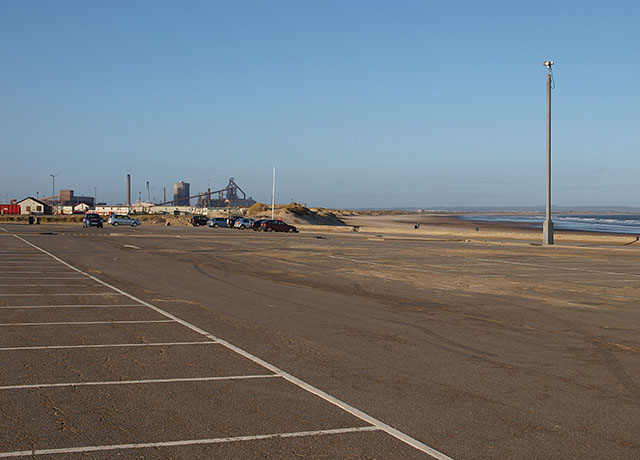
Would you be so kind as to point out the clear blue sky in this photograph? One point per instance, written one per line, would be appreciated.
(357, 103)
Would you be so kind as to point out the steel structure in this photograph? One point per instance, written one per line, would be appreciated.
(228, 196)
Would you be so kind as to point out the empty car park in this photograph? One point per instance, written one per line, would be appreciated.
(346, 346)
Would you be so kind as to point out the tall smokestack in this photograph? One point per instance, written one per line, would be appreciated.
(164, 194)
(148, 193)
(128, 189)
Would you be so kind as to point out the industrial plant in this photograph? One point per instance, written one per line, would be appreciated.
(66, 202)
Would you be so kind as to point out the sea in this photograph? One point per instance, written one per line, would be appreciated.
(601, 223)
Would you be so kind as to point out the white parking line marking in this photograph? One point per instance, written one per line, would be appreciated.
(40, 271)
(31, 266)
(26, 259)
(25, 294)
(109, 345)
(341, 404)
(137, 382)
(49, 285)
(70, 323)
(188, 442)
(294, 380)
(48, 264)
(18, 307)
(31, 261)
(43, 277)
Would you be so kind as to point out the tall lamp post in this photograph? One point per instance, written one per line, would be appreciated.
(273, 192)
(547, 227)
(53, 185)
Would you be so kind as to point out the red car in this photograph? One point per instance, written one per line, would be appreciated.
(277, 226)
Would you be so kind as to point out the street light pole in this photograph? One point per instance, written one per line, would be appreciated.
(273, 191)
(53, 185)
(547, 227)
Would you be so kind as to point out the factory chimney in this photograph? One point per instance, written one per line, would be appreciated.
(128, 189)
(164, 194)
(148, 193)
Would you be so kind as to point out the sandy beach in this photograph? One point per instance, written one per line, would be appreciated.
(451, 226)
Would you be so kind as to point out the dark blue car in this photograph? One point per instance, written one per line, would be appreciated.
(92, 220)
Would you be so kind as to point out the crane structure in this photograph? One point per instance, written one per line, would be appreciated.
(51, 200)
(225, 197)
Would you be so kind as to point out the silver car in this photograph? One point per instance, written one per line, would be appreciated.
(121, 219)
(243, 223)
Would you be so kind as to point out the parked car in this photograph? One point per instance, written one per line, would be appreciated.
(243, 223)
(257, 225)
(198, 220)
(92, 220)
(278, 226)
(216, 222)
(121, 219)
(231, 221)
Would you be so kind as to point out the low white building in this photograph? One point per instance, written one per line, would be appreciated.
(82, 207)
(32, 206)
(106, 210)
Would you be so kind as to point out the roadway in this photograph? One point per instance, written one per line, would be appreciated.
(173, 342)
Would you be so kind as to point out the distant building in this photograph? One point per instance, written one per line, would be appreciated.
(227, 197)
(181, 194)
(80, 208)
(67, 198)
(116, 209)
(9, 209)
(32, 206)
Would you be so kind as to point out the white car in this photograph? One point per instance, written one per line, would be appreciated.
(243, 223)
(121, 219)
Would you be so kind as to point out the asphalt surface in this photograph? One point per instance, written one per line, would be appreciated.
(184, 343)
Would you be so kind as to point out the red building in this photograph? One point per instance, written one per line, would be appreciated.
(9, 209)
